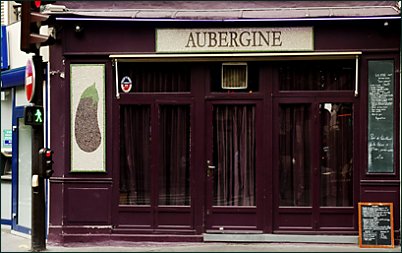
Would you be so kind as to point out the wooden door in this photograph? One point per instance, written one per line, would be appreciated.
(233, 196)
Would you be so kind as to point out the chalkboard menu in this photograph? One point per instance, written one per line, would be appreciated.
(376, 226)
(381, 116)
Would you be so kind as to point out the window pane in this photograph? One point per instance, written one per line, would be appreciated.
(294, 163)
(253, 69)
(135, 155)
(24, 174)
(336, 154)
(234, 155)
(234, 76)
(156, 77)
(174, 184)
(317, 75)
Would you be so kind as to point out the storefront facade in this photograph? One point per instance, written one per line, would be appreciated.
(174, 129)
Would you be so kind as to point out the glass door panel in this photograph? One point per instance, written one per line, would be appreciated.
(336, 154)
(294, 152)
(24, 175)
(234, 156)
(135, 155)
(174, 174)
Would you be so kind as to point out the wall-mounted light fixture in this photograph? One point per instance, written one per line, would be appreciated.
(78, 28)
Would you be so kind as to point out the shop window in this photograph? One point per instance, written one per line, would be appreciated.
(336, 154)
(154, 77)
(234, 155)
(233, 77)
(135, 167)
(317, 75)
(174, 172)
(294, 163)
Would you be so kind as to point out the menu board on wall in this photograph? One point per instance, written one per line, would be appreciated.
(376, 227)
(381, 116)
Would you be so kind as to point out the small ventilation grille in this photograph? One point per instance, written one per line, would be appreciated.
(234, 75)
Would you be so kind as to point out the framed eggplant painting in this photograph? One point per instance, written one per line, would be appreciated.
(87, 91)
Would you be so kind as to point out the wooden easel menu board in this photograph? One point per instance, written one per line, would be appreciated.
(376, 225)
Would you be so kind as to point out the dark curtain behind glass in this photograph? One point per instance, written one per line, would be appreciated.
(294, 164)
(157, 77)
(337, 154)
(174, 178)
(135, 155)
(317, 75)
(234, 155)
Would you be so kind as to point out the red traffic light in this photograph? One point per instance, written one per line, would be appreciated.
(31, 22)
(46, 162)
(37, 3)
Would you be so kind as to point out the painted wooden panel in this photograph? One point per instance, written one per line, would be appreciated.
(135, 218)
(88, 205)
(294, 220)
(167, 218)
(383, 193)
(337, 220)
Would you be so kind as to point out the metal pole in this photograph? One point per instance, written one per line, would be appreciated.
(38, 233)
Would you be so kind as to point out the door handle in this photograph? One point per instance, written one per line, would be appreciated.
(210, 168)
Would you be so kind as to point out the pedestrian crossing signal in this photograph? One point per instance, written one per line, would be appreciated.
(33, 115)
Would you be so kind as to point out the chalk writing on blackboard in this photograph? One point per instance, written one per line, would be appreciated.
(376, 228)
(381, 117)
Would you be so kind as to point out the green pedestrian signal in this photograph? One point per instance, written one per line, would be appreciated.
(33, 115)
(38, 116)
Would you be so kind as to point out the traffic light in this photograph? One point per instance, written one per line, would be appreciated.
(46, 162)
(31, 22)
(33, 115)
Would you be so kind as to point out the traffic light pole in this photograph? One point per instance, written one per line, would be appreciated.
(38, 224)
(31, 40)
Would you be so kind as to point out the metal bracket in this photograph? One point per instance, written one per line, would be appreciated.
(117, 79)
(357, 77)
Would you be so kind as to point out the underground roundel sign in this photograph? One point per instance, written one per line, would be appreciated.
(126, 84)
(30, 80)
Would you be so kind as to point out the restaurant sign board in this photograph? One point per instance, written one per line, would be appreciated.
(234, 40)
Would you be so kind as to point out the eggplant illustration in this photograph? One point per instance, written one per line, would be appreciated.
(87, 132)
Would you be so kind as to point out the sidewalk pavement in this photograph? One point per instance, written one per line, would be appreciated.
(11, 242)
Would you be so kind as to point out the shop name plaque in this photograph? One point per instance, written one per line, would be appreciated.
(234, 40)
